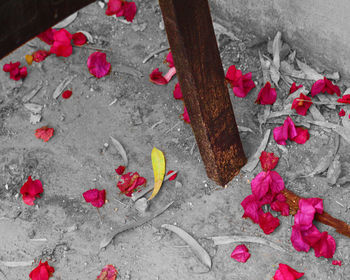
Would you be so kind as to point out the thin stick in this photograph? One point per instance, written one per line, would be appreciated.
(157, 123)
(155, 53)
(170, 129)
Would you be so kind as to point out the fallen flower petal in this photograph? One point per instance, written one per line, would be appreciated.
(317, 87)
(98, 65)
(177, 92)
(267, 95)
(341, 113)
(282, 207)
(120, 170)
(284, 132)
(40, 55)
(114, 7)
(268, 161)
(344, 99)
(171, 72)
(294, 88)
(96, 197)
(79, 39)
(44, 133)
(240, 84)
(335, 262)
(185, 116)
(297, 239)
(277, 184)
(42, 272)
(129, 10)
(11, 66)
(172, 177)
(325, 247)
(251, 208)
(62, 43)
(169, 60)
(268, 223)
(300, 105)
(157, 78)
(47, 36)
(109, 272)
(66, 94)
(305, 214)
(261, 184)
(240, 253)
(285, 272)
(31, 190)
(316, 202)
(129, 183)
(16, 73)
(324, 85)
(302, 135)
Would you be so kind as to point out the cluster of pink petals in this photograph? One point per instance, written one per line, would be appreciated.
(96, 197)
(98, 64)
(301, 104)
(16, 72)
(47, 36)
(285, 272)
(305, 235)
(267, 95)
(344, 99)
(121, 8)
(31, 190)
(129, 183)
(288, 131)
(266, 189)
(240, 253)
(294, 88)
(62, 43)
(341, 113)
(324, 85)
(240, 84)
(157, 77)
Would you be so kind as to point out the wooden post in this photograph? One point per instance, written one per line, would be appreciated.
(198, 66)
(21, 20)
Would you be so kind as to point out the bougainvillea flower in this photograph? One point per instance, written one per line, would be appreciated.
(177, 92)
(251, 208)
(240, 253)
(344, 99)
(129, 183)
(66, 94)
(267, 95)
(120, 170)
(268, 223)
(302, 135)
(40, 55)
(157, 78)
(341, 113)
(31, 190)
(121, 8)
(335, 262)
(79, 39)
(172, 177)
(294, 88)
(129, 10)
(185, 116)
(284, 132)
(96, 197)
(169, 60)
(297, 240)
(261, 184)
(62, 43)
(305, 214)
(47, 36)
(42, 272)
(300, 105)
(29, 59)
(268, 161)
(282, 207)
(324, 85)
(16, 73)
(98, 65)
(325, 247)
(44, 133)
(109, 272)
(240, 84)
(316, 202)
(285, 272)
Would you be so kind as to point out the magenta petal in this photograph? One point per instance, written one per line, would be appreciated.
(292, 132)
(297, 240)
(311, 236)
(336, 262)
(185, 116)
(305, 214)
(177, 92)
(260, 184)
(280, 134)
(325, 247)
(157, 78)
(267, 95)
(268, 161)
(251, 208)
(302, 135)
(317, 87)
(277, 184)
(285, 272)
(282, 207)
(169, 59)
(317, 203)
(239, 92)
(240, 253)
(129, 10)
(268, 223)
(98, 65)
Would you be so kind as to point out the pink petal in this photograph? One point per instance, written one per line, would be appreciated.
(292, 132)
(177, 92)
(325, 247)
(79, 39)
(297, 239)
(317, 87)
(171, 72)
(280, 134)
(300, 105)
(268, 223)
(302, 135)
(342, 112)
(157, 78)
(311, 236)
(120, 170)
(251, 208)
(335, 262)
(261, 184)
(113, 7)
(185, 116)
(47, 36)
(90, 195)
(282, 207)
(98, 65)
(285, 272)
(240, 253)
(129, 11)
(277, 184)
(317, 203)
(267, 95)
(305, 214)
(233, 75)
(294, 88)
(331, 88)
(268, 161)
(169, 59)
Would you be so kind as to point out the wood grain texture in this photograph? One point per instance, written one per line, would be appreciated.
(21, 20)
(199, 69)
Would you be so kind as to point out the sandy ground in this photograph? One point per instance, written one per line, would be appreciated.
(63, 229)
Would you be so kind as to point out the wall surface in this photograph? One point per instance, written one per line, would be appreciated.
(318, 29)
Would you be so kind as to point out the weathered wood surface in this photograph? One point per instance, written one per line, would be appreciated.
(21, 20)
(199, 69)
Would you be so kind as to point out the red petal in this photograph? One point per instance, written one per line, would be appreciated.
(325, 247)
(302, 135)
(114, 7)
(251, 208)
(233, 75)
(62, 44)
(157, 78)
(47, 36)
(301, 106)
(335, 262)
(240, 253)
(129, 183)
(129, 10)
(267, 95)
(31, 190)
(120, 170)
(294, 88)
(172, 177)
(177, 92)
(284, 132)
(98, 65)
(268, 161)
(285, 272)
(331, 88)
(23, 72)
(79, 39)
(169, 60)
(66, 94)
(345, 99)
(40, 55)
(109, 272)
(317, 87)
(95, 197)
(42, 272)
(268, 223)
(341, 113)
(260, 184)
(297, 240)
(185, 116)
(282, 207)
(44, 133)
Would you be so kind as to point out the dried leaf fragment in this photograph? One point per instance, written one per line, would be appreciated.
(120, 149)
(67, 21)
(158, 163)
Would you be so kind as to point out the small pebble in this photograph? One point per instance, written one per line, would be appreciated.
(141, 205)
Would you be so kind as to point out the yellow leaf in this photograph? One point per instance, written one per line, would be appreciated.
(158, 163)
(29, 59)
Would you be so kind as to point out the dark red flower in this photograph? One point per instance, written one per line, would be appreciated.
(96, 197)
(47, 36)
(302, 135)
(268, 223)
(40, 55)
(300, 105)
(120, 170)
(177, 92)
(268, 161)
(109, 272)
(267, 95)
(66, 94)
(31, 190)
(42, 272)
(341, 113)
(285, 272)
(79, 39)
(98, 65)
(324, 85)
(344, 99)
(172, 177)
(240, 253)
(16, 73)
(185, 116)
(294, 88)
(62, 43)
(44, 133)
(335, 262)
(129, 183)
(241, 84)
